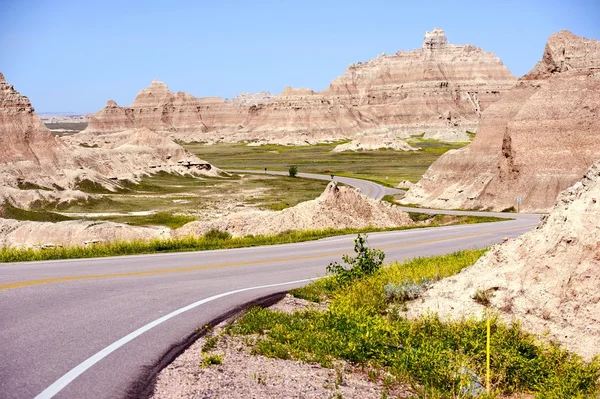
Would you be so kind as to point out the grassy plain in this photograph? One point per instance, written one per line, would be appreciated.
(383, 166)
(365, 325)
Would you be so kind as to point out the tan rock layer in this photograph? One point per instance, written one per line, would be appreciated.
(337, 207)
(438, 90)
(547, 278)
(537, 140)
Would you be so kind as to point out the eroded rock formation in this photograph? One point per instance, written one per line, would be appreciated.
(547, 279)
(36, 166)
(536, 141)
(337, 207)
(375, 142)
(438, 91)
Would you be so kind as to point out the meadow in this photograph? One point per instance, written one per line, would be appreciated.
(386, 167)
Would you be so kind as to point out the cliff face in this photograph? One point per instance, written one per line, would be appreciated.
(28, 148)
(180, 115)
(36, 166)
(438, 90)
(536, 141)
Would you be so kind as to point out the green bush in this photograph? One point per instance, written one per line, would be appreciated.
(214, 234)
(293, 171)
(366, 262)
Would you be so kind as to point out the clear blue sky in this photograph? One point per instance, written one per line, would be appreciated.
(74, 55)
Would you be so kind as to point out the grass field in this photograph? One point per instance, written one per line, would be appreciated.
(365, 325)
(178, 199)
(383, 166)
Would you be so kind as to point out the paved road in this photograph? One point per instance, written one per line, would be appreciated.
(91, 328)
(368, 188)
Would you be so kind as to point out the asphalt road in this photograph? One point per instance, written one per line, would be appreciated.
(368, 188)
(92, 328)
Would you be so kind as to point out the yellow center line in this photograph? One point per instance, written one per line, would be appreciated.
(31, 283)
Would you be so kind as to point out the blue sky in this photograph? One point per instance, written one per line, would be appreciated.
(75, 55)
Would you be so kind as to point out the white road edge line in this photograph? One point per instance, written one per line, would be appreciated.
(66, 379)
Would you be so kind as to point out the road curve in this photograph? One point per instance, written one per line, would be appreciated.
(369, 188)
(93, 327)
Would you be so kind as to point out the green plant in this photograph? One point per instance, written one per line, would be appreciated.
(210, 343)
(405, 291)
(215, 234)
(482, 297)
(293, 171)
(210, 359)
(366, 262)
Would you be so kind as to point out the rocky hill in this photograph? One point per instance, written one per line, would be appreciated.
(438, 91)
(337, 208)
(37, 166)
(539, 139)
(547, 278)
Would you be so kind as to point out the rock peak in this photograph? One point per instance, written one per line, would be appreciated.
(2, 80)
(111, 103)
(435, 39)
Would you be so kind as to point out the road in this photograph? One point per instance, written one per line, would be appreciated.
(369, 188)
(95, 328)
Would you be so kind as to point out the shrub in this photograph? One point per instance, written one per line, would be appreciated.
(405, 291)
(208, 360)
(215, 234)
(367, 262)
(293, 171)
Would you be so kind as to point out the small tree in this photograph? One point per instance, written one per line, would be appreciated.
(366, 262)
(293, 171)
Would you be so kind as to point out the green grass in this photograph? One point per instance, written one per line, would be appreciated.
(159, 193)
(158, 219)
(9, 211)
(438, 358)
(383, 166)
(213, 240)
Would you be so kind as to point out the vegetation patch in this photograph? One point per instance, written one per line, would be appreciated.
(382, 166)
(167, 219)
(9, 211)
(438, 358)
(212, 240)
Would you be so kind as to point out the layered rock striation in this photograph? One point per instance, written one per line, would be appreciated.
(37, 166)
(536, 141)
(437, 91)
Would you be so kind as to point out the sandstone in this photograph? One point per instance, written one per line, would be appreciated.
(438, 91)
(37, 167)
(539, 139)
(337, 207)
(26, 234)
(375, 142)
(548, 278)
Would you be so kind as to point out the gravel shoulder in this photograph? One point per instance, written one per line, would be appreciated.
(244, 375)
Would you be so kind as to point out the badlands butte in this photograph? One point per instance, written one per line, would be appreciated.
(534, 136)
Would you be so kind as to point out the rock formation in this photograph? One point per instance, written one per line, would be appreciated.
(547, 278)
(375, 142)
(26, 234)
(249, 99)
(536, 141)
(30, 154)
(36, 166)
(181, 115)
(438, 91)
(337, 207)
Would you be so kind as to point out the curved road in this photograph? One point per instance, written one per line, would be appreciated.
(95, 327)
(369, 188)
